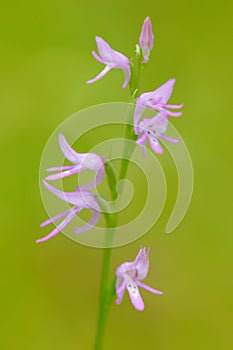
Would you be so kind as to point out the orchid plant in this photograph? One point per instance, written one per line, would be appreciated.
(129, 274)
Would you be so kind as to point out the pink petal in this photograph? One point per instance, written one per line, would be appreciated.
(169, 139)
(137, 114)
(154, 291)
(62, 175)
(173, 106)
(159, 123)
(156, 102)
(60, 227)
(142, 142)
(143, 146)
(174, 114)
(69, 153)
(139, 255)
(99, 76)
(112, 58)
(125, 267)
(93, 221)
(55, 218)
(120, 290)
(142, 263)
(105, 51)
(90, 161)
(163, 93)
(141, 139)
(98, 179)
(81, 199)
(134, 295)
(98, 58)
(127, 78)
(155, 145)
(60, 168)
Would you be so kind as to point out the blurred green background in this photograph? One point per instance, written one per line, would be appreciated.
(49, 292)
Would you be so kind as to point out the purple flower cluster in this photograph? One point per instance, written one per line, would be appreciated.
(147, 129)
(129, 274)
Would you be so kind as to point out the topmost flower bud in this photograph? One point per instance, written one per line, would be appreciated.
(146, 39)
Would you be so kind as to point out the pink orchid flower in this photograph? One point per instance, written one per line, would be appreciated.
(129, 276)
(146, 39)
(80, 200)
(151, 129)
(112, 59)
(81, 161)
(156, 100)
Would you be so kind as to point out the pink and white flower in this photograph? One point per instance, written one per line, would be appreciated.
(81, 162)
(129, 276)
(80, 200)
(112, 59)
(156, 100)
(152, 129)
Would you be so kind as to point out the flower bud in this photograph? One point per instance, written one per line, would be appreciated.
(146, 39)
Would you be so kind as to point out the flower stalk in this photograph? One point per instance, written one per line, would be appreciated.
(137, 131)
(106, 294)
(107, 289)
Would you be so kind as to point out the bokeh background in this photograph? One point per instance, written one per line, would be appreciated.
(49, 292)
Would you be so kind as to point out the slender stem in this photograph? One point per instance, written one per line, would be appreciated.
(107, 291)
(129, 147)
(125, 162)
(104, 305)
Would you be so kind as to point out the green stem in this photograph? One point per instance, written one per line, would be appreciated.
(107, 291)
(104, 304)
(129, 146)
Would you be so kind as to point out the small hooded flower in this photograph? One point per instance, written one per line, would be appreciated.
(146, 39)
(151, 129)
(81, 161)
(112, 59)
(129, 276)
(80, 200)
(156, 100)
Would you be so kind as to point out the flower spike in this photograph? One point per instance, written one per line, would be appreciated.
(146, 39)
(112, 59)
(129, 276)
